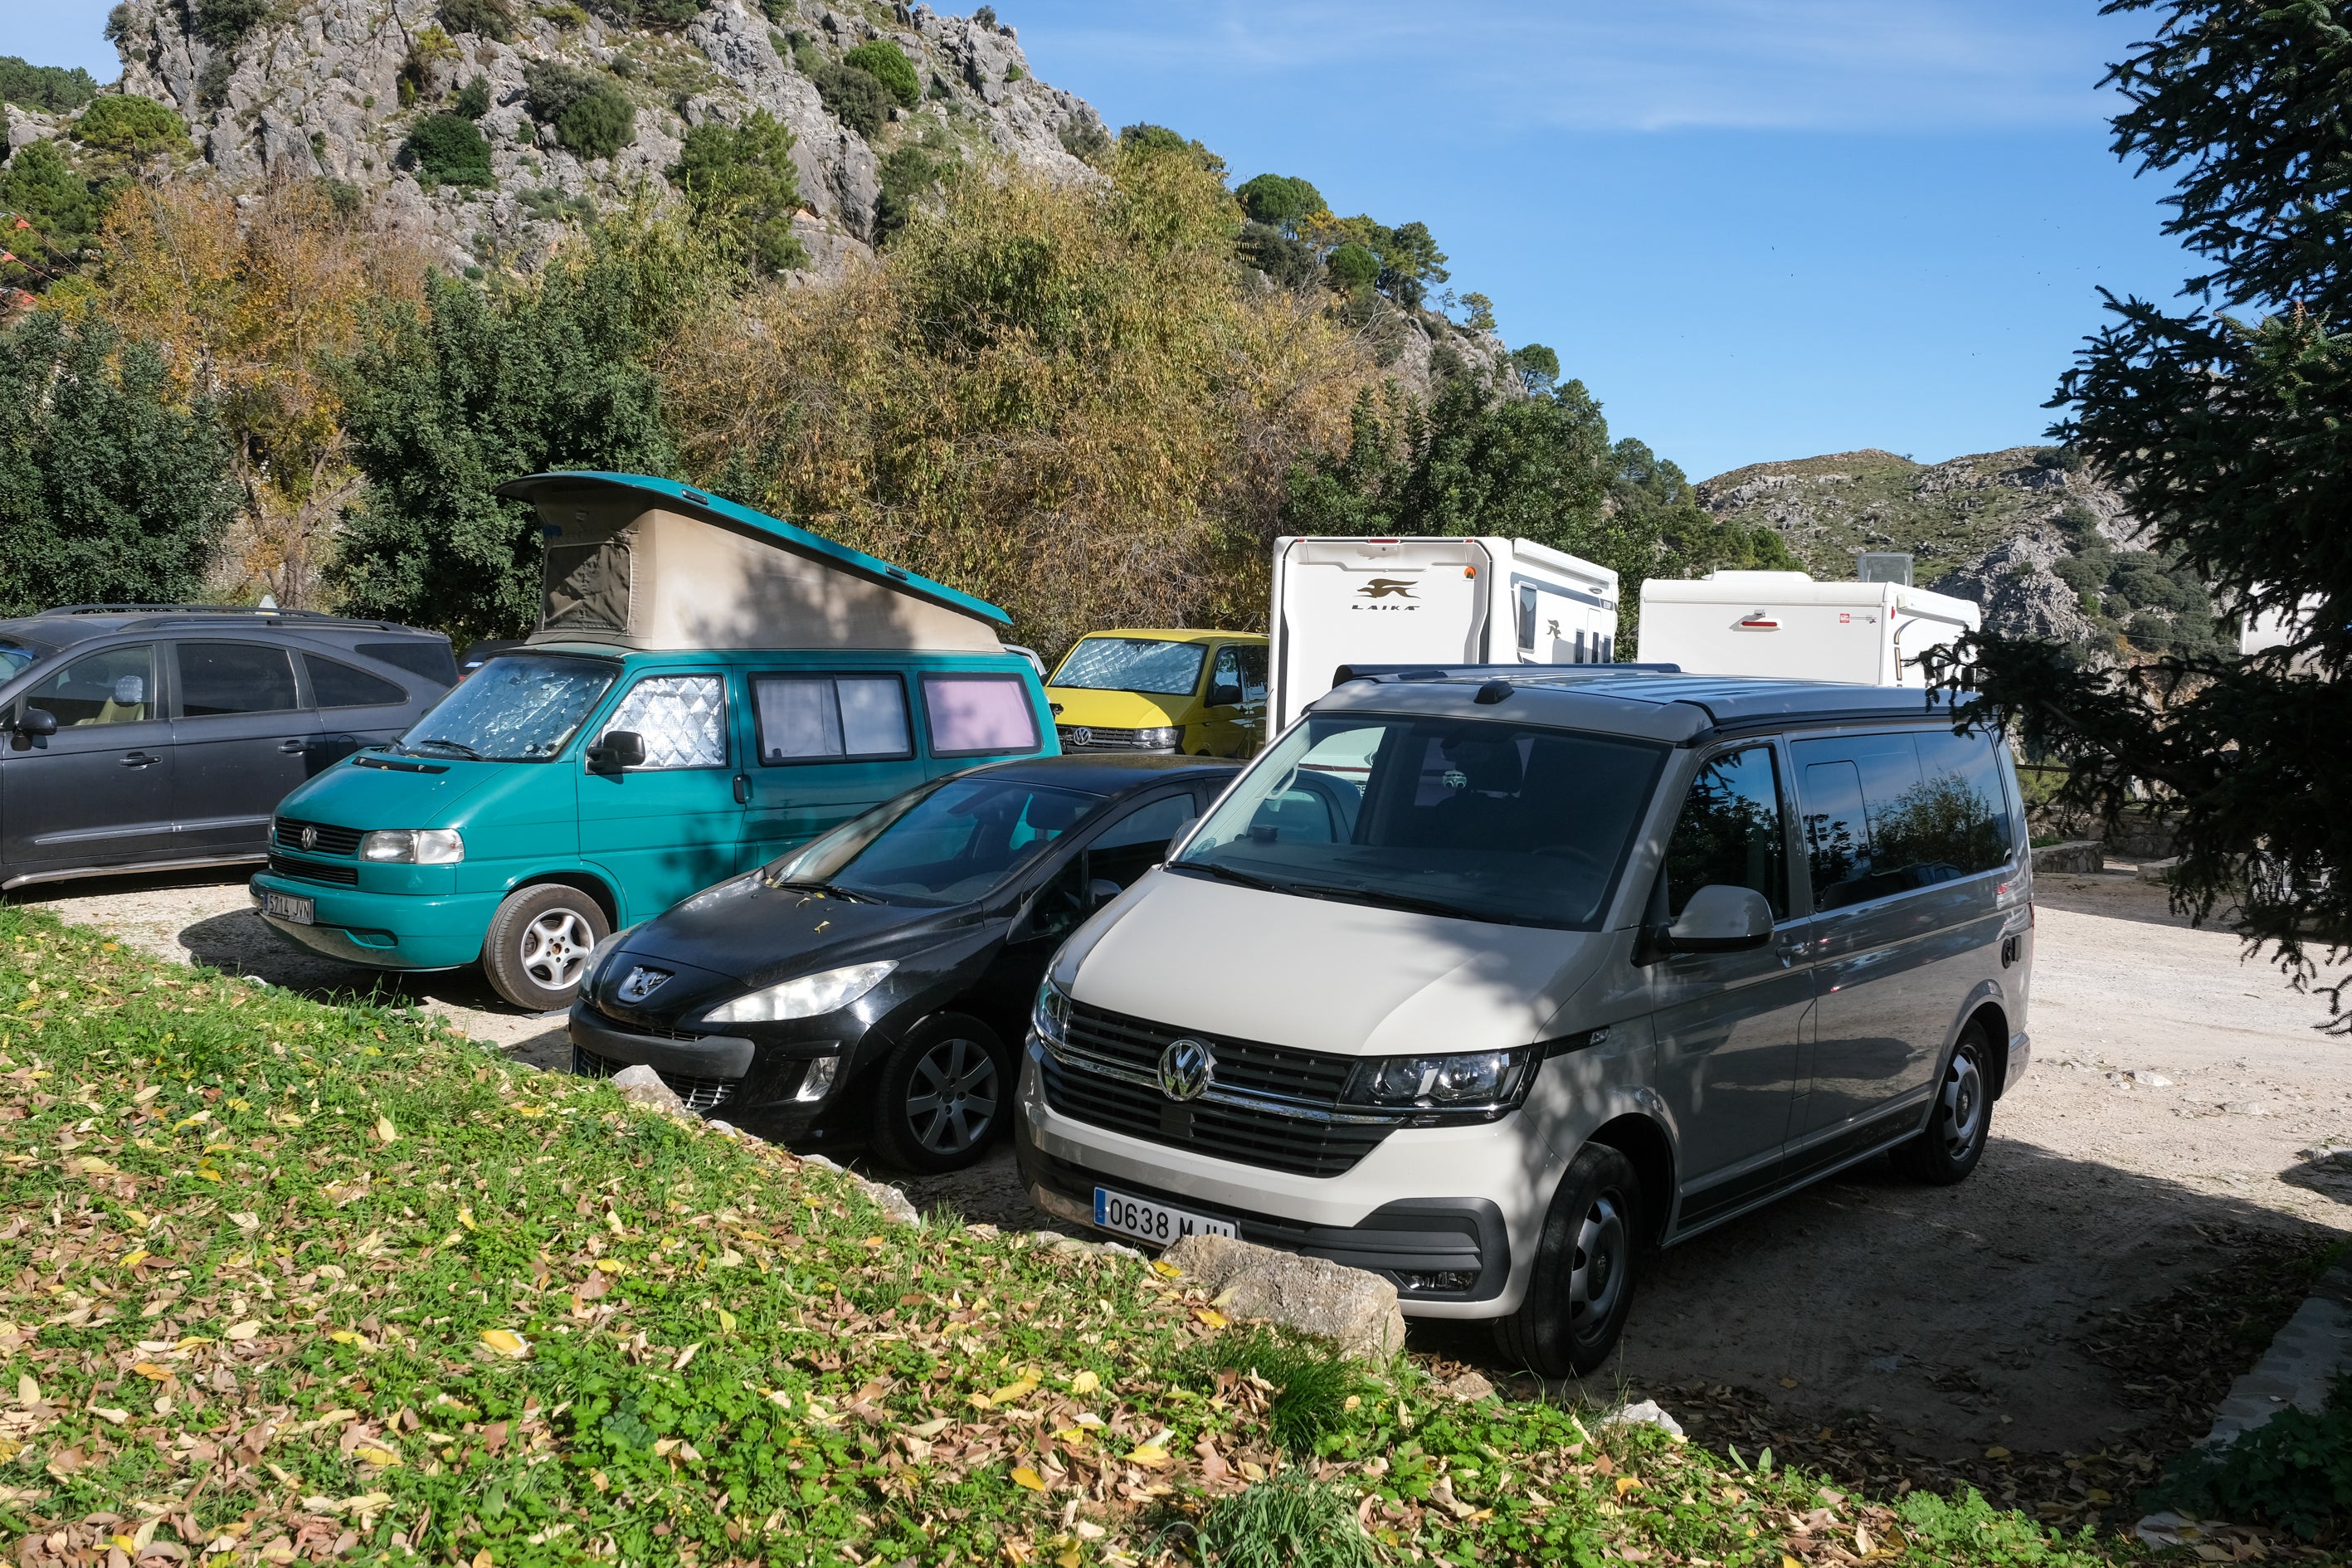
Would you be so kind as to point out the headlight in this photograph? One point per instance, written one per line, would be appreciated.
(1478, 1080)
(1168, 735)
(596, 956)
(1051, 1015)
(416, 847)
(804, 998)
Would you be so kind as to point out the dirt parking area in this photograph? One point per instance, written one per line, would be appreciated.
(2152, 1191)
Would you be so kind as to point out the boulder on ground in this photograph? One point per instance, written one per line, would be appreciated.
(895, 1204)
(1645, 1414)
(644, 1086)
(1356, 1310)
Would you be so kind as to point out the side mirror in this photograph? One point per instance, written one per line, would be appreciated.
(1182, 829)
(619, 749)
(1720, 919)
(1102, 891)
(36, 721)
(1224, 696)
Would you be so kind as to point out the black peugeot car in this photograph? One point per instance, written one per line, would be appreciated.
(877, 979)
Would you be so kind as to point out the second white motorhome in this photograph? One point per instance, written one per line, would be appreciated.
(1786, 626)
(1481, 600)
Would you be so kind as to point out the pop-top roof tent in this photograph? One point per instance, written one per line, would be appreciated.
(643, 563)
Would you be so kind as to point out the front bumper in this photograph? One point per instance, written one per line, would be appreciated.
(1425, 1201)
(384, 931)
(721, 1074)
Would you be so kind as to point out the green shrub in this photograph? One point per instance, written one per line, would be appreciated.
(225, 23)
(1286, 261)
(906, 173)
(52, 89)
(1353, 267)
(743, 181)
(449, 150)
(1015, 73)
(589, 115)
(1312, 1385)
(886, 63)
(857, 98)
(1279, 200)
(125, 122)
(1539, 366)
(473, 100)
(211, 82)
(2294, 1472)
(1285, 1522)
(570, 18)
(661, 14)
(488, 18)
(1082, 138)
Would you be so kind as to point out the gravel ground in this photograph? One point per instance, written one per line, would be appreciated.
(2178, 1123)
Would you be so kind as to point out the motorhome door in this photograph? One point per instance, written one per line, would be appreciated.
(1366, 601)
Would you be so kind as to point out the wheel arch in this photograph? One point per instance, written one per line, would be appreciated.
(1645, 1144)
(607, 902)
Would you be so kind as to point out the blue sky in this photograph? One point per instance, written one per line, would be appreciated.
(1756, 228)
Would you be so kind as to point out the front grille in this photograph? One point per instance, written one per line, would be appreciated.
(1094, 738)
(326, 839)
(698, 1094)
(1269, 1137)
(314, 872)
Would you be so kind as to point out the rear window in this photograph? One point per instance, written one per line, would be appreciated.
(979, 715)
(1887, 814)
(336, 685)
(428, 657)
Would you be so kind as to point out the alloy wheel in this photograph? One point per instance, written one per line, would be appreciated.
(1597, 1276)
(951, 1095)
(554, 946)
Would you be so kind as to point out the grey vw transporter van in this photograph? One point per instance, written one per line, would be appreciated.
(1533, 971)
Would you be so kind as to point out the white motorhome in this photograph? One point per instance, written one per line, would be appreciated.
(1786, 626)
(1480, 600)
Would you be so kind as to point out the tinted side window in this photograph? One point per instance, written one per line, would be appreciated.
(117, 686)
(428, 657)
(1960, 816)
(1139, 841)
(826, 718)
(339, 686)
(218, 678)
(1252, 673)
(1878, 822)
(1730, 833)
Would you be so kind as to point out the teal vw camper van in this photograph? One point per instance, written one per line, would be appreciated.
(707, 687)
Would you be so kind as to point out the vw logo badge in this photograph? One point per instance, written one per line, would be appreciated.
(1187, 1068)
(309, 837)
(642, 982)
(1082, 736)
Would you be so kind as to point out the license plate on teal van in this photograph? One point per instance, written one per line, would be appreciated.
(292, 906)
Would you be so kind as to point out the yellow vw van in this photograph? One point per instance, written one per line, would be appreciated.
(1199, 694)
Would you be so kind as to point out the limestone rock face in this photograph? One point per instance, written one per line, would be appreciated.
(318, 91)
(1356, 1310)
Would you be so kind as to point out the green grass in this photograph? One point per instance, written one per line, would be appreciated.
(283, 1280)
(1289, 1522)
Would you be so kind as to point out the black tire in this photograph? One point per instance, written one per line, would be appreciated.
(1952, 1143)
(1586, 1266)
(538, 944)
(943, 1096)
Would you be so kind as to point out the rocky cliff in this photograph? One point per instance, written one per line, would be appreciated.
(2028, 533)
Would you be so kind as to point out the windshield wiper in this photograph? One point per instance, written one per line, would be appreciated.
(1246, 879)
(459, 747)
(1387, 900)
(835, 889)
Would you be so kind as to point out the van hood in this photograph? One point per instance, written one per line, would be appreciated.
(1116, 709)
(351, 795)
(1321, 976)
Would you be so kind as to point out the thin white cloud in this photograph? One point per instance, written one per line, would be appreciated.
(1659, 64)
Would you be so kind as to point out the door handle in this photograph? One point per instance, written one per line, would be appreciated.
(742, 789)
(293, 748)
(137, 760)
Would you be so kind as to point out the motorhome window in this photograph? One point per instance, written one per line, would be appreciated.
(947, 845)
(1526, 618)
(1477, 818)
(1877, 824)
(831, 717)
(979, 715)
(224, 677)
(1132, 664)
(1731, 832)
(334, 685)
(519, 708)
(428, 657)
(683, 719)
(116, 686)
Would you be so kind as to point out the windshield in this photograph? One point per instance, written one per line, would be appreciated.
(945, 844)
(519, 708)
(14, 656)
(1132, 664)
(1474, 817)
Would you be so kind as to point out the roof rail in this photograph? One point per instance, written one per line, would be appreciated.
(1348, 672)
(226, 610)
